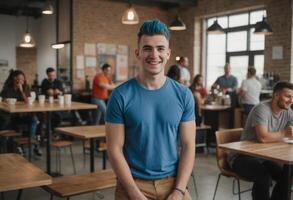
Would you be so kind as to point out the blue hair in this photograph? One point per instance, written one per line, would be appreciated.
(154, 27)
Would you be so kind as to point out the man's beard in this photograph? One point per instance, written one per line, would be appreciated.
(282, 106)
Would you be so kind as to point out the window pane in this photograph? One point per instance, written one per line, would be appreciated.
(216, 43)
(239, 65)
(238, 20)
(237, 41)
(259, 64)
(257, 41)
(215, 65)
(257, 16)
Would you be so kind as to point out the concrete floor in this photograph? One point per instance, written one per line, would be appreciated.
(206, 173)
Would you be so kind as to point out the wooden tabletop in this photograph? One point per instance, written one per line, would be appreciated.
(215, 107)
(84, 132)
(22, 107)
(278, 151)
(17, 173)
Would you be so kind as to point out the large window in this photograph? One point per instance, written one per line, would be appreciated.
(239, 46)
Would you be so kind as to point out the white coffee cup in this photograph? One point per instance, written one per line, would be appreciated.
(51, 99)
(67, 98)
(42, 99)
(61, 99)
(33, 95)
(30, 100)
(11, 101)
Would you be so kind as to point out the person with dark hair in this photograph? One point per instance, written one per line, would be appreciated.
(200, 94)
(185, 74)
(16, 86)
(51, 86)
(102, 84)
(250, 90)
(174, 73)
(147, 118)
(269, 121)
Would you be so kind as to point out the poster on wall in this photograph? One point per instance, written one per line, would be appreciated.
(121, 67)
(89, 49)
(90, 62)
(80, 62)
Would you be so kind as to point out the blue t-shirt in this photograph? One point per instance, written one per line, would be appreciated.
(151, 119)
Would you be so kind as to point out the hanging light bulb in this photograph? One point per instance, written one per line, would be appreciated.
(215, 28)
(48, 8)
(130, 16)
(27, 39)
(177, 25)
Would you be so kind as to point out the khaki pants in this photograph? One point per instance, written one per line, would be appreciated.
(153, 190)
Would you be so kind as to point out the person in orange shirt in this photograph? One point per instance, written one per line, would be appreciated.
(102, 83)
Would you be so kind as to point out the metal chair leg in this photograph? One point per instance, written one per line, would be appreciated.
(219, 176)
(2, 196)
(51, 196)
(72, 158)
(239, 191)
(194, 183)
(104, 159)
(19, 194)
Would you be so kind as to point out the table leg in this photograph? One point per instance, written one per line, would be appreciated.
(30, 143)
(48, 133)
(92, 155)
(19, 194)
(287, 174)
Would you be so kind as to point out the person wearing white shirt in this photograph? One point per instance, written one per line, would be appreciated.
(250, 90)
(184, 72)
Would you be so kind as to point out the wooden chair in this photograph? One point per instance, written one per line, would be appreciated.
(227, 136)
(7, 135)
(101, 147)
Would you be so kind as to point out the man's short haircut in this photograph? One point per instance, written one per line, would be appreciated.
(251, 71)
(49, 70)
(153, 27)
(181, 59)
(105, 66)
(282, 85)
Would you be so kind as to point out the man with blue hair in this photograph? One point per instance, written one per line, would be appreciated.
(148, 118)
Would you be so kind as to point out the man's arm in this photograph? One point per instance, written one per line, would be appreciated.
(186, 160)
(115, 141)
(264, 136)
(107, 86)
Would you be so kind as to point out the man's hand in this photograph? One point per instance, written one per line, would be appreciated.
(288, 131)
(175, 195)
(50, 92)
(57, 92)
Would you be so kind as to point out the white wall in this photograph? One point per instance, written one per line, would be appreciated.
(43, 31)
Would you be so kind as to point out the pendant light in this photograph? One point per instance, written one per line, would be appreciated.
(215, 28)
(57, 45)
(27, 39)
(263, 27)
(177, 24)
(130, 16)
(48, 8)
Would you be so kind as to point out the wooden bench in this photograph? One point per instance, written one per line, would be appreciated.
(202, 131)
(69, 186)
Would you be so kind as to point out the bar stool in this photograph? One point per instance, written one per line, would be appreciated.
(7, 135)
(59, 144)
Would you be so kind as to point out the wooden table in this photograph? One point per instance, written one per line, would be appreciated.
(86, 132)
(217, 116)
(47, 108)
(279, 152)
(16, 173)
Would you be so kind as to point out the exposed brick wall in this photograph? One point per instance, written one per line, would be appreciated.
(100, 21)
(26, 61)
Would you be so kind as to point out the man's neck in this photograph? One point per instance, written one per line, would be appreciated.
(151, 82)
(275, 108)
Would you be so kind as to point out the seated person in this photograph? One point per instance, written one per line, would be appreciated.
(174, 73)
(269, 121)
(51, 86)
(200, 94)
(16, 87)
